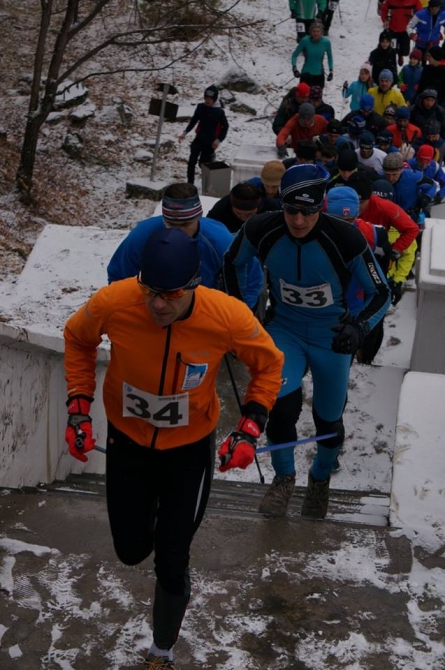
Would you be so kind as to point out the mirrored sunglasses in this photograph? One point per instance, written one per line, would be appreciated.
(168, 295)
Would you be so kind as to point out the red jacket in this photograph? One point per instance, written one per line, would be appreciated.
(398, 13)
(367, 230)
(386, 213)
(298, 133)
(400, 136)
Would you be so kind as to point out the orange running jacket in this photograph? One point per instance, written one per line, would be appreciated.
(181, 358)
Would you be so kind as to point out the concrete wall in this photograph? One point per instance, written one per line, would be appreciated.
(428, 353)
(33, 410)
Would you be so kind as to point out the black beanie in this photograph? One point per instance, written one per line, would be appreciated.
(347, 159)
(211, 92)
(362, 184)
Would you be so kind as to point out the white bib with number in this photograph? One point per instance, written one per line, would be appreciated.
(332, 6)
(306, 296)
(301, 28)
(162, 411)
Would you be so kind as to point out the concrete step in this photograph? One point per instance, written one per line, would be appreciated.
(241, 500)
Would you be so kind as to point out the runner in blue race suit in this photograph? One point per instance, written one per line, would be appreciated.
(310, 259)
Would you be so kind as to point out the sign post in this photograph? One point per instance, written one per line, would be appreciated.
(163, 109)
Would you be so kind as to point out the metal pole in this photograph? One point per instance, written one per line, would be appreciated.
(287, 83)
(339, 13)
(280, 22)
(238, 400)
(158, 136)
(367, 10)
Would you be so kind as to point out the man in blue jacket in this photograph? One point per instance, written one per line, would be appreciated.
(311, 258)
(181, 208)
(425, 28)
(423, 162)
(413, 192)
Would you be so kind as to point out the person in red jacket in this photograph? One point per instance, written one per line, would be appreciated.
(403, 132)
(384, 213)
(168, 336)
(396, 14)
(302, 126)
(344, 202)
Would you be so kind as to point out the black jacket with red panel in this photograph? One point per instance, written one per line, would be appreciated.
(212, 123)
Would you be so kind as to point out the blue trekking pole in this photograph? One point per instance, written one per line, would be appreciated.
(271, 447)
(294, 443)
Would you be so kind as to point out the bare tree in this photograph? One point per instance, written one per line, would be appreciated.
(86, 28)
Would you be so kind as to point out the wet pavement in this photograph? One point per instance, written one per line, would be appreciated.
(267, 593)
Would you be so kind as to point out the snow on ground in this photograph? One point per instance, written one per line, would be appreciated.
(370, 415)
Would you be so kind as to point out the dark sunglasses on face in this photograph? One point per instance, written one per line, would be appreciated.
(305, 211)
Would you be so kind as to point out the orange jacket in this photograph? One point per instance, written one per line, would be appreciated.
(181, 358)
(408, 135)
(297, 133)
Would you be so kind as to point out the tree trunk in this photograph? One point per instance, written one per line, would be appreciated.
(28, 156)
(35, 119)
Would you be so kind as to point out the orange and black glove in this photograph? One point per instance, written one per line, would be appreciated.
(79, 431)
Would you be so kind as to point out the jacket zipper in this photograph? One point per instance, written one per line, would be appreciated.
(162, 379)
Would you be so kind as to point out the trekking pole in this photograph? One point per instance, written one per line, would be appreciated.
(339, 13)
(270, 447)
(287, 83)
(367, 9)
(280, 22)
(274, 447)
(295, 443)
(240, 407)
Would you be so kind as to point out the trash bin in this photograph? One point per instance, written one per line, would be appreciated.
(216, 179)
(249, 161)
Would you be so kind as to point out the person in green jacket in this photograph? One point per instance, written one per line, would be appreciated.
(304, 12)
(314, 47)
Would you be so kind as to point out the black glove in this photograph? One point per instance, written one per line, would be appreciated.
(293, 14)
(345, 85)
(396, 291)
(281, 152)
(349, 338)
(296, 72)
(330, 76)
(424, 203)
(395, 255)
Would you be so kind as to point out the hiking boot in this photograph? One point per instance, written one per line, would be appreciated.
(276, 500)
(315, 503)
(153, 662)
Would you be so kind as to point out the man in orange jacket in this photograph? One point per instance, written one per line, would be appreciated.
(302, 126)
(404, 133)
(168, 336)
